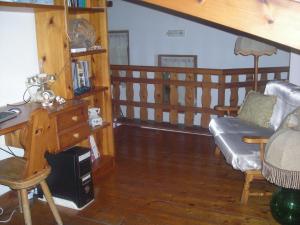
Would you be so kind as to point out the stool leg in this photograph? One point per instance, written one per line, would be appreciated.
(50, 201)
(20, 201)
(25, 207)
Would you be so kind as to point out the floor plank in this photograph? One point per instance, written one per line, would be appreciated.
(163, 178)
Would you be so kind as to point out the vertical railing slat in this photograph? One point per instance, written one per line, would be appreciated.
(173, 100)
(189, 100)
(116, 95)
(234, 96)
(264, 77)
(277, 76)
(206, 100)
(221, 90)
(143, 97)
(129, 96)
(249, 77)
(158, 96)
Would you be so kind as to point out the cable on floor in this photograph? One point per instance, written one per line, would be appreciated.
(10, 216)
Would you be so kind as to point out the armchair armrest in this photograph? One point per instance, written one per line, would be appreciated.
(261, 140)
(227, 110)
(255, 139)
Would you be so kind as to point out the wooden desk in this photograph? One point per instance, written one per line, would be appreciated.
(69, 122)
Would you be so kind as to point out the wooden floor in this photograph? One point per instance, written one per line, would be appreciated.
(163, 178)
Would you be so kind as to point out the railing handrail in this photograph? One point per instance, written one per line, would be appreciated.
(233, 71)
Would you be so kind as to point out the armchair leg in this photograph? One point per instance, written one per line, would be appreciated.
(245, 194)
(50, 201)
(217, 151)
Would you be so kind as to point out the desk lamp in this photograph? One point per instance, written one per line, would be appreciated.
(281, 166)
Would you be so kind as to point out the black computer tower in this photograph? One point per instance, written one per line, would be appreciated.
(71, 176)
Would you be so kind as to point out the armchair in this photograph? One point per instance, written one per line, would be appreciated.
(242, 143)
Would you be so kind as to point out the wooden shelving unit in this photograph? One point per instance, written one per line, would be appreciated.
(54, 51)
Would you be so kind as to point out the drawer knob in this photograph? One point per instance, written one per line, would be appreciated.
(76, 135)
(75, 118)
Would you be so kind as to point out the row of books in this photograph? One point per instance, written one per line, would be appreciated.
(79, 3)
(81, 77)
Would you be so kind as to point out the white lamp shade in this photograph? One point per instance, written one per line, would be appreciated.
(246, 46)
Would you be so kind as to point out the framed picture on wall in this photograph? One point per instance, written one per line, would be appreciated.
(189, 61)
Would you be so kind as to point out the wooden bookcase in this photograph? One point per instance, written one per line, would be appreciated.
(54, 51)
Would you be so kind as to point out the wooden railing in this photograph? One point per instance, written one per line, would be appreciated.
(142, 88)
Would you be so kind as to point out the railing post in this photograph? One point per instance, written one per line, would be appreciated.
(189, 100)
(116, 95)
(129, 96)
(143, 97)
(173, 100)
(206, 99)
(158, 96)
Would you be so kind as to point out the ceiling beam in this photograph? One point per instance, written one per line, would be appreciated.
(274, 20)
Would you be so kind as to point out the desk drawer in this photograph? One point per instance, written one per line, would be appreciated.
(71, 118)
(71, 137)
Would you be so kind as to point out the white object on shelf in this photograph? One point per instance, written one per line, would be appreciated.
(76, 50)
(94, 149)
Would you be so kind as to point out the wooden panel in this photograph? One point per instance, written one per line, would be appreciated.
(129, 96)
(189, 101)
(173, 100)
(221, 90)
(269, 19)
(116, 94)
(50, 32)
(143, 97)
(206, 100)
(234, 96)
(158, 96)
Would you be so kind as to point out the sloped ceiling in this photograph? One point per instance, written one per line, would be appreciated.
(274, 20)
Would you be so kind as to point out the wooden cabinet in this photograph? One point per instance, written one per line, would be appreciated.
(54, 51)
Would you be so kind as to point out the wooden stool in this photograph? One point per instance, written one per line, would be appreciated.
(22, 174)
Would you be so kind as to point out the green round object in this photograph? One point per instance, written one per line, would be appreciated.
(285, 206)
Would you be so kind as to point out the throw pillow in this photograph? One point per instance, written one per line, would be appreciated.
(257, 109)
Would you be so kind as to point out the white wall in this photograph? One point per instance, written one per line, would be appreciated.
(295, 69)
(18, 59)
(147, 34)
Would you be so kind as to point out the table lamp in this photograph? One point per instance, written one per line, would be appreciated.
(246, 46)
(281, 166)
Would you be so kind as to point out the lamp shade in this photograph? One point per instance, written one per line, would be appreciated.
(246, 46)
(281, 164)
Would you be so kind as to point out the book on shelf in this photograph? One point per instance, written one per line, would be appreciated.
(79, 3)
(81, 77)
